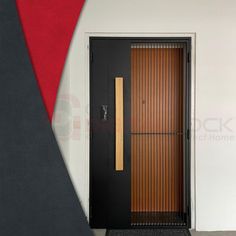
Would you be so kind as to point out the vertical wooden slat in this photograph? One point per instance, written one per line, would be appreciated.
(159, 129)
(142, 127)
(162, 78)
(144, 105)
(169, 128)
(173, 129)
(166, 128)
(137, 128)
(181, 128)
(133, 154)
(149, 129)
(132, 144)
(179, 105)
(155, 109)
(152, 96)
(176, 140)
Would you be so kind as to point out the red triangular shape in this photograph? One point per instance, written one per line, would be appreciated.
(48, 26)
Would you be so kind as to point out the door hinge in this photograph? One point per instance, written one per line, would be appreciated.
(188, 211)
(188, 134)
(90, 213)
(189, 57)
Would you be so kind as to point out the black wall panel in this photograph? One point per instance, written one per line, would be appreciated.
(36, 194)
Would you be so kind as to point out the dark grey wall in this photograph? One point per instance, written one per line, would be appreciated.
(36, 193)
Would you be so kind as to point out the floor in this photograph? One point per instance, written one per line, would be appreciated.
(194, 233)
(102, 232)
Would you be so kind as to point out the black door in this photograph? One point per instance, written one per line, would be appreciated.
(110, 189)
(139, 132)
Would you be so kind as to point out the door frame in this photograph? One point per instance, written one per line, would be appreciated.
(191, 102)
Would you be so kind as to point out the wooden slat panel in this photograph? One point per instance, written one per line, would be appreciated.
(156, 107)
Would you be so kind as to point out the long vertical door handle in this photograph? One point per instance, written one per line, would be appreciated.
(119, 113)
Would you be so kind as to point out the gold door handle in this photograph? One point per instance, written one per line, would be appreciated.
(119, 119)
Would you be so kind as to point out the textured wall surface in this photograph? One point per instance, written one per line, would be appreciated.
(36, 194)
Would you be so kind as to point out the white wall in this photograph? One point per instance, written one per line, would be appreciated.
(213, 22)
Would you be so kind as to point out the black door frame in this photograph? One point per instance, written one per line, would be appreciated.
(187, 41)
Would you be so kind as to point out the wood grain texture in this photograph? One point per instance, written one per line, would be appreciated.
(119, 110)
(157, 129)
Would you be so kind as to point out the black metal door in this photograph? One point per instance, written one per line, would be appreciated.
(153, 187)
(109, 189)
